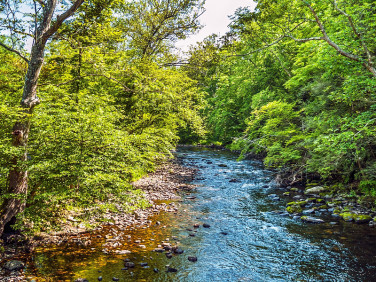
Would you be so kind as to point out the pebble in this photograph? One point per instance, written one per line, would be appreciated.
(205, 225)
(178, 251)
(156, 270)
(100, 278)
(171, 269)
(192, 259)
(129, 264)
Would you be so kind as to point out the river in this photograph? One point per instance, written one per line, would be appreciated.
(246, 241)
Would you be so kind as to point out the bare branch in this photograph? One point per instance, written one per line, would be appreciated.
(14, 51)
(61, 18)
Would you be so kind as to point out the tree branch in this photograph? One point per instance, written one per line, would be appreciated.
(14, 51)
(357, 34)
(329, 41)
(61, 18)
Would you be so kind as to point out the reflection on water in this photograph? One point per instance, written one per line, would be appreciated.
(246, 240)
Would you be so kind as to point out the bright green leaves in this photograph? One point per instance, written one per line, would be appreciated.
(273, 129)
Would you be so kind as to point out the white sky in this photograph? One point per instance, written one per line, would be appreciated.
(215, 19)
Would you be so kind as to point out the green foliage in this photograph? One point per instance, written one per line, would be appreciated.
(304, 103)
(107, 115)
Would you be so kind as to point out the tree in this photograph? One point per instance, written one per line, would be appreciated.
(47, 20)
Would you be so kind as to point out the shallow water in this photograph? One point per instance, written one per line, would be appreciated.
(246, 240)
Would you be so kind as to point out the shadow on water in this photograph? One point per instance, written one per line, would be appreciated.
(246, 240)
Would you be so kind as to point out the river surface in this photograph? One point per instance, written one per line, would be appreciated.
(247, 240)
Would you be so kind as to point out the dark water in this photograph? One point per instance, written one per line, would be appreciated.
(260, 245)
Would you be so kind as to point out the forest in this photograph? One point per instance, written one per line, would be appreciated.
(94, 95)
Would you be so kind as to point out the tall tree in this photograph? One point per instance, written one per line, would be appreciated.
(46, 21)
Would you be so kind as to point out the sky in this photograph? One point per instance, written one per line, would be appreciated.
(215, 19)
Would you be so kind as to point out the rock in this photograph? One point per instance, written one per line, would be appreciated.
(309, 219)
(310, 211)
(121, 252)
(171, 269)
(159, 250)
(333, 223)
(100, 278)
(336, 215)
(143, 264)
(190, 198)
(14, 265)
(81, 280)
(156, 270)
(178, 251)
(192, 259)
(115, 279)
(224, 233)
(168, 255)
(315, 190)
(205, 225)
(297, 197)
(196, 225)
(192, 235)
(222, 165)
(234, 180)
(129, 264)
(362, 218)
(294, 189)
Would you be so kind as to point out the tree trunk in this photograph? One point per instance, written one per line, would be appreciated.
(18, 175)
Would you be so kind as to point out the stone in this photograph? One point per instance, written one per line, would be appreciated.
(205, 225)
(168, 255)
(196, 225)
(224, 233)
(234, 180)
(129, 264)
(100, 278)
(122, 252)
(192, 259)
(115, 279)
(159, 250)
(310, 211)
(156, 270)
(178, 251)
(309, 219)
(315, 190)
(81, 280)
(222, 165)
(14, 265)
(171, 269)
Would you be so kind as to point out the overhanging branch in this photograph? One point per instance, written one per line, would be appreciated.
(14, 51)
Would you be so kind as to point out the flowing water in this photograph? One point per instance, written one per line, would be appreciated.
(246, 241)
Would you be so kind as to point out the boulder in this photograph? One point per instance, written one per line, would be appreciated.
(310, 219)
(315, 190)
(14, 265)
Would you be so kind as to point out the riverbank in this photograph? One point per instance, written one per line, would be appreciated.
(161, 189)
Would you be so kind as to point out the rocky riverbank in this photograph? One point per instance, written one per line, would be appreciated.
(161, 189)
(318, 204)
